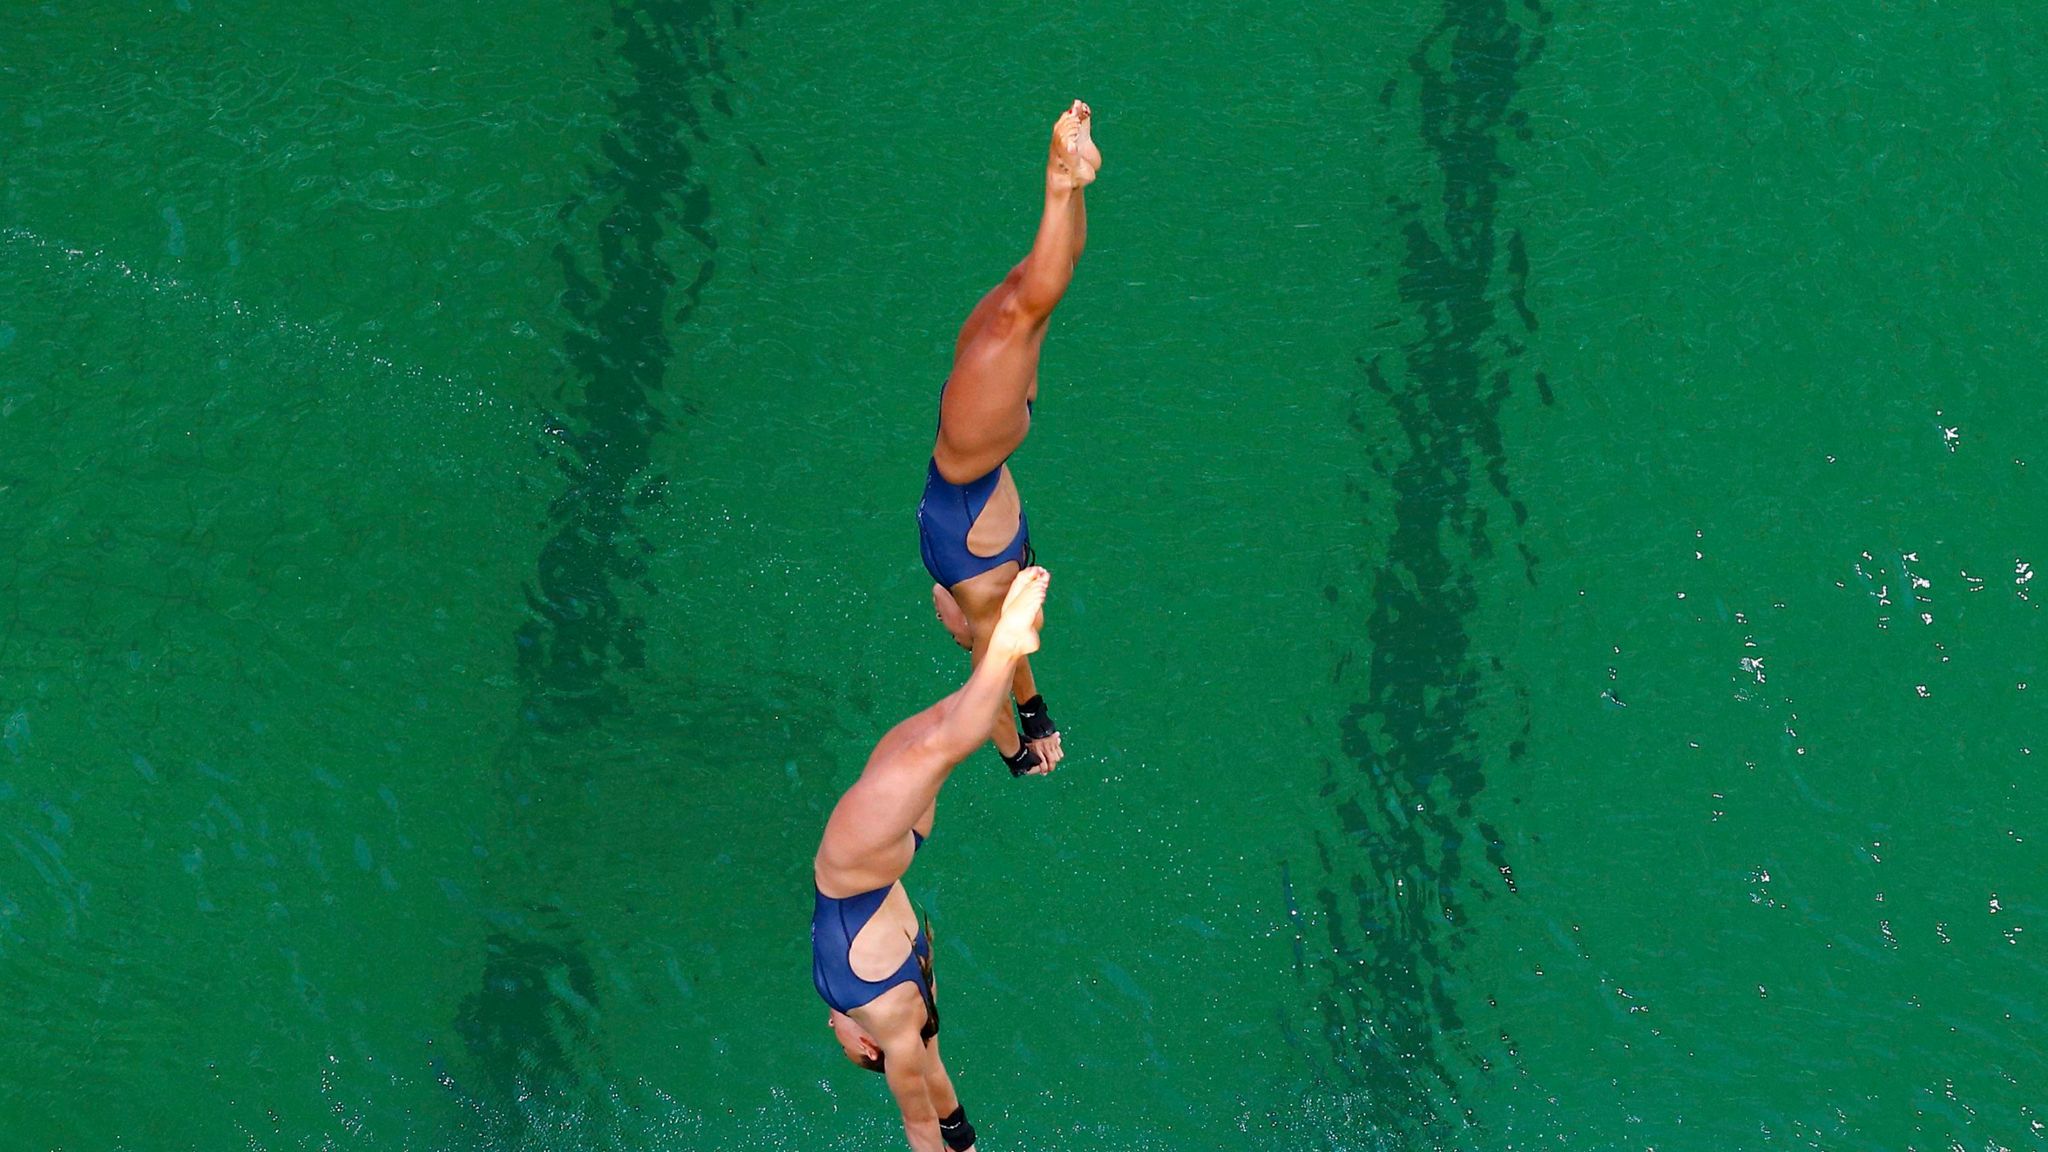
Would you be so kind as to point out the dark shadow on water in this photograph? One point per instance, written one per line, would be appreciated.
(1398, 874)
(533, 1012)
(532, 1028)
(582, 631)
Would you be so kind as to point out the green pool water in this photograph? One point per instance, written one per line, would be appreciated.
(1543, 501)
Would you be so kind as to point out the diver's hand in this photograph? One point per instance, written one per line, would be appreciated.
(1041, 735)
(1049, 754)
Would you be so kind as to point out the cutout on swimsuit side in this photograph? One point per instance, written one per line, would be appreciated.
(996, 525)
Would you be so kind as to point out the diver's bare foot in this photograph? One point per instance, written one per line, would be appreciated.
(1075, 159)
(1091, 156)
(1016, 632)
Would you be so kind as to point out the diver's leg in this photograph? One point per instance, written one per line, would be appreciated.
(981, 600)
(1087, 159)
(899, 786)
(1023, 686)
(995, 363)
(1063, 226)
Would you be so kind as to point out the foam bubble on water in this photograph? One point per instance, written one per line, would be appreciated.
(1951, 437)
(97, 262)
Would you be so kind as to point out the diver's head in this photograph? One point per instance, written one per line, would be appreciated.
(952, 618)
(859, 1046)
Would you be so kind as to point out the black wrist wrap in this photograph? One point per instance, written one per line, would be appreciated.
(1024, 761)
(956, 1131)
(1035, 720)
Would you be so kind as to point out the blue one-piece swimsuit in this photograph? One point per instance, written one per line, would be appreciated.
(835, 921)
(945, 516)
